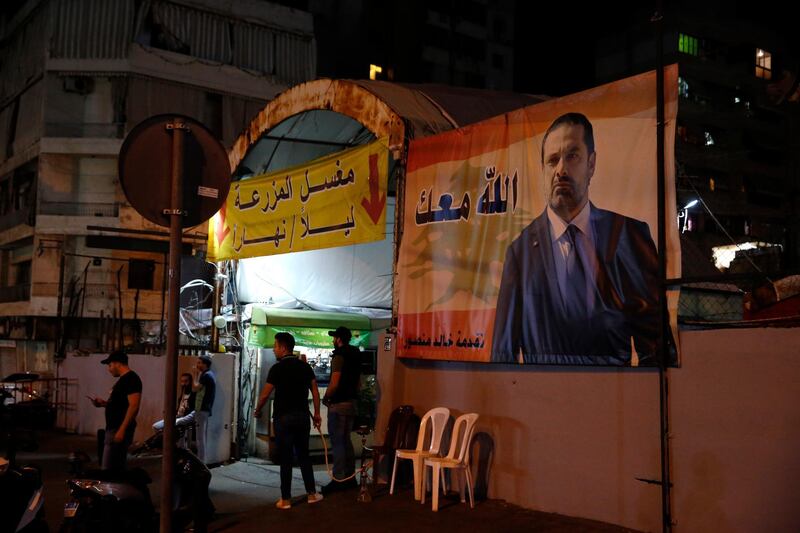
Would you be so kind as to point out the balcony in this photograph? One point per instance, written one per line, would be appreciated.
(79, 209)
(115, 130)
(15, 218)
(15, 293)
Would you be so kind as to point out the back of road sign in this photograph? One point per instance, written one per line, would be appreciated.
(145, 167)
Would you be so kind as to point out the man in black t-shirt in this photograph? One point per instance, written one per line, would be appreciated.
(291, 379)
(121, 408)
(340, 397)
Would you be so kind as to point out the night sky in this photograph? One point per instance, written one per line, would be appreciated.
(559, 39)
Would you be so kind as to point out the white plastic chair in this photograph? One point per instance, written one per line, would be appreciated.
(457, 459)
(437, 418)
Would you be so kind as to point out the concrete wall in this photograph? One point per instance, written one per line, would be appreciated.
(573, 440)
(87, 377)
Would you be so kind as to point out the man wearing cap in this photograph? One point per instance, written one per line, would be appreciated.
(121, 407)
(205, 388)
(340, 399)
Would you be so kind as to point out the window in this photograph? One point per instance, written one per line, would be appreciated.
(687, 44)
(22, 273)
(763, 64)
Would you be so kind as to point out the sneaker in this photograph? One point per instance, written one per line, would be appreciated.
(284, 504)
(315, 497)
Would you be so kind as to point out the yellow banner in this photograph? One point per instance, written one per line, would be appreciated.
(333, 201)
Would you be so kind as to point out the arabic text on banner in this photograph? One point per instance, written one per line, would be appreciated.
(333, 201)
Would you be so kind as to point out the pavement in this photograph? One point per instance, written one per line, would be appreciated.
(244, 494)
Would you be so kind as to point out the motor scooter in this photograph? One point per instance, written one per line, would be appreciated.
(21, 487)
(22, 497)
(103, 501)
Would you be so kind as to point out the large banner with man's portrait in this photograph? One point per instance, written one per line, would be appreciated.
(531, 237)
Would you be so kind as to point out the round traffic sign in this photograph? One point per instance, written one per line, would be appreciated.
(145, 170)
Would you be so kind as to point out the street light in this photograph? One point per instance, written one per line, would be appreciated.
(684, 214)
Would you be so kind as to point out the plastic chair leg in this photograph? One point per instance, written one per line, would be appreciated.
(435, 475)
(418, 469)
(444, 482)
(468, 476)
(394, 473)
(424, 482)
(462, 480)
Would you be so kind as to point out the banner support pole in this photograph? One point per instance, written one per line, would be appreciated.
(663, 346)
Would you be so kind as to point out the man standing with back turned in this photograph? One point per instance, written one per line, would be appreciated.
(291, 379)
(341, 401)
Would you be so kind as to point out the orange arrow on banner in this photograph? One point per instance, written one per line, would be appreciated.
(374, 204)
(221, 229)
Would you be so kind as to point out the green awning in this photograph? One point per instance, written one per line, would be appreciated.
(309, 328)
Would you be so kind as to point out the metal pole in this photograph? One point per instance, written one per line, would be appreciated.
(215, 306)
(175, 212)
(663, 347)
(60, 307)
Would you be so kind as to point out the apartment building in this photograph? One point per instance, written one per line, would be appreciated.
(80, 270)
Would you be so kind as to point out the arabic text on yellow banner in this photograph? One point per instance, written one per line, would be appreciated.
(333, 201)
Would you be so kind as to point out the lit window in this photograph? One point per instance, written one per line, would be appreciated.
(736, 99)
(683, 88)
(711, 184)
(687, 44)
(763, 64)
(709, 139)
(374, 70)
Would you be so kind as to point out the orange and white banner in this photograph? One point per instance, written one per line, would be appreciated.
(336, 200)
(484, 266)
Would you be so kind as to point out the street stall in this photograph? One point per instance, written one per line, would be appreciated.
(314, 345)
(309, 224)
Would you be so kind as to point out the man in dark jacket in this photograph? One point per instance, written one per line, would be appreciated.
(580, 283)
(341, 401)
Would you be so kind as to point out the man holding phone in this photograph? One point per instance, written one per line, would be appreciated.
(121, 408)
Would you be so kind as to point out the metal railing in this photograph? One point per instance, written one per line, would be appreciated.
(85, 129)
(15, 293)
(737, 300)
(79, 209)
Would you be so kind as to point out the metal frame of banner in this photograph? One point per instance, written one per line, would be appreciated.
(663, 347)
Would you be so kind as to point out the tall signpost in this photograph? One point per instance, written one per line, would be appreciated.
(176, 174)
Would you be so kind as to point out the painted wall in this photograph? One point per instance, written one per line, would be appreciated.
(574, 440)
(87, 377)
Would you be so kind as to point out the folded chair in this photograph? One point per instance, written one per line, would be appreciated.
(401, 432)
(433, 424)
(457, 459)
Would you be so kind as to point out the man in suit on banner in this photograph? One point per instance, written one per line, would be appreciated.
(580, 283)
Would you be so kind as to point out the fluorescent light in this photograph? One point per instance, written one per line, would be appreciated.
(691, 204)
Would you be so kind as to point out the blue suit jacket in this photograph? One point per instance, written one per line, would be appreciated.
(530, 313)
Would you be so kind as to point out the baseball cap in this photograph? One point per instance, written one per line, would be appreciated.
(117, 356)
(341, 332)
